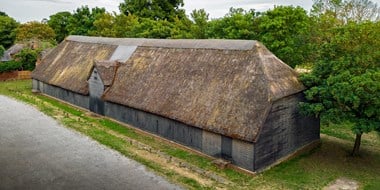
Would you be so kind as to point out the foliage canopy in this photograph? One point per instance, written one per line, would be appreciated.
(58, 22)
(7, 27)
(82, 20)
(345, 83)
(34, 31)
(154, 9)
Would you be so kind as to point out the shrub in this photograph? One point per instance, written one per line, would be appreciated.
(2, 49)
(28, 58)
(10, 66)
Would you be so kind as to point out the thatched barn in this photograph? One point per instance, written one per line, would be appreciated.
(11, 52)
(231, 99)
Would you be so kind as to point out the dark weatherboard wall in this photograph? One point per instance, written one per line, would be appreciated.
(63, 94)
(284, 131)
(96, 90)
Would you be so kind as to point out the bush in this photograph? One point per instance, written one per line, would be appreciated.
(28, 58)
(10, 66)
(2, 49)
(24, 60)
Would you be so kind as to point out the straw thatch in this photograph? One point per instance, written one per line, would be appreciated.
(107, 71)
(69, 65)
(9, 53)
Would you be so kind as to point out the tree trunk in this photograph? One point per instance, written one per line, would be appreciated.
(358, 140)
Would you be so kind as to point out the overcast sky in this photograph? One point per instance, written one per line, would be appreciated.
(30, 10)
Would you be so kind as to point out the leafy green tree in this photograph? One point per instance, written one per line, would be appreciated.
(328, 15)
(182, 29)
(154, 9)
(348, 10)
(360, 10)
(82, 20)
(124, 25)
(7, 27)
(199, 28)
(58, 22)
(3, 13)
(115, 25)
(34, 31)
(285, 31)
(2, 50)
(27, 57)
(237, 24)
(104, 26)
(344, 84)
(148, 28)
(331, 7)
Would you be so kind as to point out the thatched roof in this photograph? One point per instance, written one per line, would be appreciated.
(9, 53)
(107, 71)
(223, 86)
(228, 92)
(70, 63)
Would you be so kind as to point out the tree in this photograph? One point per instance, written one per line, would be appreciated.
(344, 84)
(3, 13)
(27, 57)
(115, 25)
(149, 28)
(124, 25)
(348, 10)
(360, 10)
(82, 20)
(2, 50)
(237, 24)
(182, 29)
(332, 7)
(199, 28)
(104, 26)
(34, 31)
(58, 22)
(285, 31)
(7, 27)
(154, 9)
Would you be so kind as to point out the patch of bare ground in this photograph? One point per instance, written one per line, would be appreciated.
(343, 184)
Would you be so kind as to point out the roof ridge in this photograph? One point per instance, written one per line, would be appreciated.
(274, 93)
(218, 44)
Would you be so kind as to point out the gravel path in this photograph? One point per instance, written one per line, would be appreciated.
(38, 153)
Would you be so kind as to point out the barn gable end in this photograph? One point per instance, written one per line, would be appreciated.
(231, 99)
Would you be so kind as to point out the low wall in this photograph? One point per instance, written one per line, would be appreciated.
(15, 75)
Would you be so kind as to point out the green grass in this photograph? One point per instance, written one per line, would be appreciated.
(344, 132)
(312, 170)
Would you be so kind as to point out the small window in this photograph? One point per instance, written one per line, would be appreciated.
(95, 71)
(96, 78)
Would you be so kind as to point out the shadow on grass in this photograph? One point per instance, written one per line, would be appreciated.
(327, 163)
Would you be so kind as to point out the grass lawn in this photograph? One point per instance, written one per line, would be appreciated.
(313, 170)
